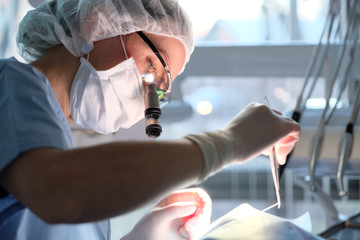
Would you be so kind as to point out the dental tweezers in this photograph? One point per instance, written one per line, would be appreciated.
(274, 166)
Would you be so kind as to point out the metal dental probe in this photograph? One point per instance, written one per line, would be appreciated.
(270, 207)
(275, 174)
(274, 167)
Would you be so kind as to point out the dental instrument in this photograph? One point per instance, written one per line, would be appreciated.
(275, 174)
(270, 207)
(322, 63)
(317, 142)
(347, 142)
(274, 166)
(349, 66)
(152, 108)
(333, 13)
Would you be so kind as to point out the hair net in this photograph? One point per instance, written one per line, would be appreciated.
(77, 24)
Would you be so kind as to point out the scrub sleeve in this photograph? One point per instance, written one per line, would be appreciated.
(32, 118)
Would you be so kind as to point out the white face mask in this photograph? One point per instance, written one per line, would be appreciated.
(107, 100)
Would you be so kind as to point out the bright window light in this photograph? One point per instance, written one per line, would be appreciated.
(204, 107)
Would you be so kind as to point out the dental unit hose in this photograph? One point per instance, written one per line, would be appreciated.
(351, 60)
(346, 145)
(315, 59)
(334, 11)
(345, 149)
(319, 135)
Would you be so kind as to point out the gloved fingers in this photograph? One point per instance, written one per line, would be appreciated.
(176, 215)
(194, 227)
(174, 211)
(185, 195)
(285, 146)
(184, 233)
(289, 135)
(276, 111)
(196, 195)
(163, 223)
(191, 224)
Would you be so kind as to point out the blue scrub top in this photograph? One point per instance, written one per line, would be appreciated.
(31, 117)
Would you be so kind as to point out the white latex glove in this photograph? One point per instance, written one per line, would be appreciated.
(184, 214)
(254, 131)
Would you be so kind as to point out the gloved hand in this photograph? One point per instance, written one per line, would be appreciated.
(254, 131)
(184, 214)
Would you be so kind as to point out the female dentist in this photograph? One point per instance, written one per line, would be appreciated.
(86, 59)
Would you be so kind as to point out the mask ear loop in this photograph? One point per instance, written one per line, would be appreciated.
(123, 45)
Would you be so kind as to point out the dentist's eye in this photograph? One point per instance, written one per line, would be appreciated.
(151, 68)
(160, 80)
